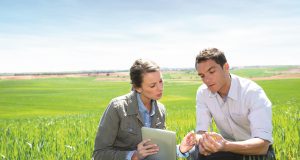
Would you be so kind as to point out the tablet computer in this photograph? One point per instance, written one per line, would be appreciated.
(166, 140)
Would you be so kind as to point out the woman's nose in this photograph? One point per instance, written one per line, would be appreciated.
(160, 86)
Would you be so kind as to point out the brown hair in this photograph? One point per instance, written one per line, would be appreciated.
(139, 68)
(213, 54)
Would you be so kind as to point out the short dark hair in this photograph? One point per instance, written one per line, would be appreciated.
(213, 54)
(139, 68)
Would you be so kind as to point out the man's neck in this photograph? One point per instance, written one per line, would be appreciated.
(225, 89)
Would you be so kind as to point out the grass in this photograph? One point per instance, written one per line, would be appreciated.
(252, 72)
(49, 97)
(58, 118)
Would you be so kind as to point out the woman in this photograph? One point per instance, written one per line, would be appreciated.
(119, 132)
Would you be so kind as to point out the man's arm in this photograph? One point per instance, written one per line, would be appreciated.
(214, 142)
(253, 146)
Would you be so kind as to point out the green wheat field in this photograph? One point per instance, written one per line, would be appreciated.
(57, 118)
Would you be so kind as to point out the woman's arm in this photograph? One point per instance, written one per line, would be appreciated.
(106, 135)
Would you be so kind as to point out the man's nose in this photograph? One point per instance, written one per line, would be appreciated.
(206, 79)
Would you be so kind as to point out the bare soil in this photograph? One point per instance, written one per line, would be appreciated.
(124, 76)
(280, 76)
(100, 76)
(289, 74)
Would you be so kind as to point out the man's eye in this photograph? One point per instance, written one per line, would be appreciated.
(152, 86)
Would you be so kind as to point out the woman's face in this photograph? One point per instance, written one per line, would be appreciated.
(152, 86)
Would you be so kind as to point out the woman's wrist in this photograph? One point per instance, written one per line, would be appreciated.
(180, 150)
(135, 156)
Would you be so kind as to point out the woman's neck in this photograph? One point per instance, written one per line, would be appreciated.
(147, 102)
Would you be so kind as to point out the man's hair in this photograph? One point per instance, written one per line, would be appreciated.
(213, 54)
(139, 68)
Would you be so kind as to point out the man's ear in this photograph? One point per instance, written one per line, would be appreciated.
(226, 67)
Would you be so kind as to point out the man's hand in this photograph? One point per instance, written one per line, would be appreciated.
(203, 151)
(213, 142)
(201, 147)
(144, 149)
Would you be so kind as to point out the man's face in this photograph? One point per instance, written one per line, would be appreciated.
(213, 75)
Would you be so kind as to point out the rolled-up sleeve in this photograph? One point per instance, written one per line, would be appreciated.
(260, 115)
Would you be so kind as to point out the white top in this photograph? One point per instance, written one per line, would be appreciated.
(245, 113)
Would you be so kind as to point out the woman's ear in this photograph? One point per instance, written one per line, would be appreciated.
(137, 89)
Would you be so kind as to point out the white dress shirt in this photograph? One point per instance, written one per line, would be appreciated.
(245, 113)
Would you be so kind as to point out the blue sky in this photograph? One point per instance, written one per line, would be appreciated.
(77, 35)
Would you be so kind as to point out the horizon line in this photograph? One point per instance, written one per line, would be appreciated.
(126, 70)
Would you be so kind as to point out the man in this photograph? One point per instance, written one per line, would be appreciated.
(240, 108)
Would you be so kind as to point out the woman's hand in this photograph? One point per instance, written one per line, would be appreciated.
(188, 142)
(144, 149)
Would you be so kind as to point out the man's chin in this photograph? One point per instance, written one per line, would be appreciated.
(212, 90)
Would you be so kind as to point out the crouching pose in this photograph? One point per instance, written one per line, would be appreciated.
(239, 107)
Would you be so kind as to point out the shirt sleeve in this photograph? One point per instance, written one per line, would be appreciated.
(129, 155)
(203, 115)
(182, 155)
(260, 115)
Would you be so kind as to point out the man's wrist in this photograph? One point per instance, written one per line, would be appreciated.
(198, 138)
(226, 146)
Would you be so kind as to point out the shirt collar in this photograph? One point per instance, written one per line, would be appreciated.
(233, 91)
(142, 107)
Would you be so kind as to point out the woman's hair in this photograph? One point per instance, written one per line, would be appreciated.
(213, 54)
(139, 68)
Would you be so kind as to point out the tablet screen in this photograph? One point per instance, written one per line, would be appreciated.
(166, 140)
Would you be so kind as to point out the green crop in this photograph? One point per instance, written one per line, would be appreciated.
(58, 118)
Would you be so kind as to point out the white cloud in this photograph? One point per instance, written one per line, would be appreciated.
(85, 43)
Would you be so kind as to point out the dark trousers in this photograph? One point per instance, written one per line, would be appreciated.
(233, 156)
